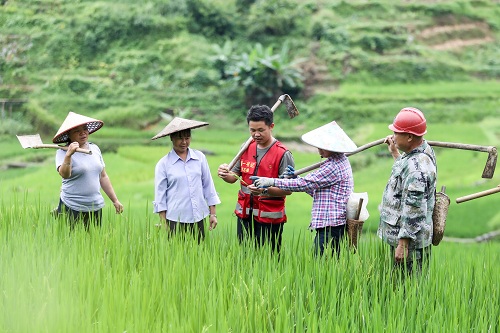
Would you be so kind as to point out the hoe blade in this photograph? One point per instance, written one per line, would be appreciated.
(30, 141)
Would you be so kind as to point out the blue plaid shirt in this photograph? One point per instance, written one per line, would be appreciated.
(330, 186)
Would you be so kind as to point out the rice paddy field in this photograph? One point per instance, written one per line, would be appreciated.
(131, 63)
(127, 276)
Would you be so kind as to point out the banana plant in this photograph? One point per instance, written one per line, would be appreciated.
(261, 73)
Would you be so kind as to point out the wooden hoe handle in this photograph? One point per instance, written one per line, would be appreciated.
(80, 150)
(478, 194)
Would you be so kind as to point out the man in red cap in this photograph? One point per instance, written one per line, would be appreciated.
(409, 196)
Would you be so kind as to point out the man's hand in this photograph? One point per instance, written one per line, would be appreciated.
(226, 175)
(391, 145)
(262, 181)
(289, 172)
(401, 252)
(223, 171)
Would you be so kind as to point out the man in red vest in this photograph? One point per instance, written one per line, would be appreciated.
(261, 211)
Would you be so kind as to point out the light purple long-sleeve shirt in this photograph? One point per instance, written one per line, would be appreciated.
(330, 186)
(184, 189)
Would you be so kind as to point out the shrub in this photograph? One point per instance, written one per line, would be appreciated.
(41, 119)
(210, 18)
(263, 74)
(272, 17)
(13, 127)
(78, 86)
(380, 42)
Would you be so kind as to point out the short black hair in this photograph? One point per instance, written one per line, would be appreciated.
(260, 113)
(184, 133)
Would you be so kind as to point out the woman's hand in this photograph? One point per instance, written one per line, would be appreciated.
(118, 207)
(73, 146)
(262, 182)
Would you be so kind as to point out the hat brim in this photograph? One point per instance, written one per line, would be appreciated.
(72, 121)
(394, 129)
(179, 124)
(330, 137)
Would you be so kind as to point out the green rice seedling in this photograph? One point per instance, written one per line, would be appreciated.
(129, 276)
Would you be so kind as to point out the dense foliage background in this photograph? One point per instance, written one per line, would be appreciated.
(128, 62)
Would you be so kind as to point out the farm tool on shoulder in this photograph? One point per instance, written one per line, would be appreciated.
(292, 113)
(35, 142)
(489, 168)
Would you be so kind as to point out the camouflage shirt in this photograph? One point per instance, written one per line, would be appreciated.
(409, 197)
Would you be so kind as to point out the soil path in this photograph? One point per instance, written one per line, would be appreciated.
(457, 43)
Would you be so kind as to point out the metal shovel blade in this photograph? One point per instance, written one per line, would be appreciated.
(491, 163)
(30, 141)
(290, 107)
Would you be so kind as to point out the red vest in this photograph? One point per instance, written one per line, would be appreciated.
(265, 209)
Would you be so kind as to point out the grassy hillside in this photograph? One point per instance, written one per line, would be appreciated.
(128, 61)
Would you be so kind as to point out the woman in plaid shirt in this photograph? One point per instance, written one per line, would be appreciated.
(330, 185)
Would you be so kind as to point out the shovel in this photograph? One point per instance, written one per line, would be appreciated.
(34, 141)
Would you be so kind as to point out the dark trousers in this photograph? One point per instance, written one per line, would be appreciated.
(196, 229)
(75, 217)
(261, 232)
(329, 236)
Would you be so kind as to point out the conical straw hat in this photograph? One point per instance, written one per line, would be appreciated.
(179, 124)
(74, 120)
(330, 137)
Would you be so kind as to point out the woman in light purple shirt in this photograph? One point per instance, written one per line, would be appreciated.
(184, 189)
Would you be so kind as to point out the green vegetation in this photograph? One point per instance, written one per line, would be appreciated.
(131, 168)
(127, 276)
(134, 64)
(129, 61)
